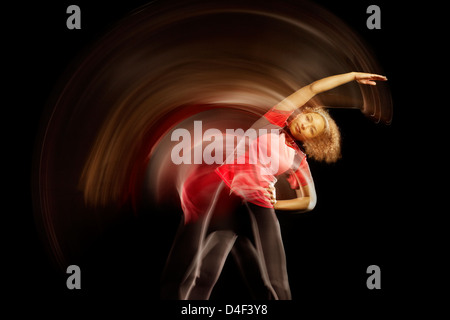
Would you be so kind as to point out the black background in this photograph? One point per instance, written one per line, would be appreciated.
(370, 203)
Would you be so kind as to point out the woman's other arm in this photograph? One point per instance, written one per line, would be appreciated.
(305, 201)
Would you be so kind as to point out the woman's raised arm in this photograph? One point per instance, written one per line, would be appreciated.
(302, 96)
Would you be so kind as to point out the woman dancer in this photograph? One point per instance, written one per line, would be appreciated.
(220, 203)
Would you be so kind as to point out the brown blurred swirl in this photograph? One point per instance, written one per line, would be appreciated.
(167, 63)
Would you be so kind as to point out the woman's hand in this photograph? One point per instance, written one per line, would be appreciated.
(271, 194)
(369, 78)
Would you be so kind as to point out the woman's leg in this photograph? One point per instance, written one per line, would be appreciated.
(218, 244)
(213, 257)
(249, 263)
(181, 258)
(269, 245)
(184, 261)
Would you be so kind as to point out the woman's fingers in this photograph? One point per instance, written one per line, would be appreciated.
(372, 83)
(272, 200)
(377, 77)
(271, 194)
(369, 78)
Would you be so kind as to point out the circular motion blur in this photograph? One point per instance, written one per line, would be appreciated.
(107, 136)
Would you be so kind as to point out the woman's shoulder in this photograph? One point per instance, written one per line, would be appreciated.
(277, 117)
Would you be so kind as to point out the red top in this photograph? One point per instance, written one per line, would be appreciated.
(250, 179)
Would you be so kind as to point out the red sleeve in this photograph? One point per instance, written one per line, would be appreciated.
(277, 117)
(302, 175)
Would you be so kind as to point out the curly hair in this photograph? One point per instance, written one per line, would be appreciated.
(326, 146)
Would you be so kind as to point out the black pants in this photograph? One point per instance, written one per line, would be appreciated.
(251, 233)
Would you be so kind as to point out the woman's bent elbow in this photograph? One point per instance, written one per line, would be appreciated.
(311, 204)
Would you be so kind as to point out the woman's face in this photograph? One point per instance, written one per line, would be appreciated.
(307, 126)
